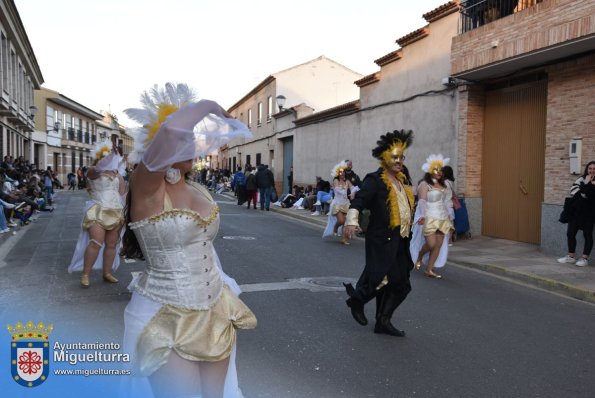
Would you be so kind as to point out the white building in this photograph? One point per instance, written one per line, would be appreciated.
(310, 87)
(19, 76)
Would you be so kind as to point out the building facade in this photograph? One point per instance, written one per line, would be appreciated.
(408, 92)
(71, 131)
(313, 86)
(526, 126)
(19, 77)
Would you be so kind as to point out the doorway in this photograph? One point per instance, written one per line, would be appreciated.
(513, 161)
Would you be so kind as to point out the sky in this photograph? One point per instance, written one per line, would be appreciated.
(103, 54)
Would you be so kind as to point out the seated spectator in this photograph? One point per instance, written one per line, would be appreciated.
(322, 197)
(290, 199)
(321, 186)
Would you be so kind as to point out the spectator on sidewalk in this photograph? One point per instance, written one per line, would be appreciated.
(48, 186)
(582, 216)
(239, 185)
(266, 183)
(323, 195)
(71, 181)
(449, 179)
(251, 186)
(290, 179)
(350, 175)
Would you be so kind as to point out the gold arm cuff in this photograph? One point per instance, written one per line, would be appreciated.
(352, 217)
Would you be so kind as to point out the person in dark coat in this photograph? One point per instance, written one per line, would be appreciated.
(239, 185)
(265, 182)
(582, 216)
(389, 197)
(251, 186)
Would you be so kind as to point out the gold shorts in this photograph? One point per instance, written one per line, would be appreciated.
(195, 335)
(340, 209)
(431, 226)
(107, 219)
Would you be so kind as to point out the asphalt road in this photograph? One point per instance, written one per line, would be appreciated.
(468, 335)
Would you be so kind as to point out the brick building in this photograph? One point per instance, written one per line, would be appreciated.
(529, 69)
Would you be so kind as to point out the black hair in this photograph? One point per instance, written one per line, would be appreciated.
(386, 140)
(430, 180)
(407, 175)
(448, 173)
(587, 168)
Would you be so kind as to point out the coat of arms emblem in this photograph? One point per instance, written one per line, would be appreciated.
(29, 353)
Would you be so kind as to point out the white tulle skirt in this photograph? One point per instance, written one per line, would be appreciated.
(139, 311)
(78, 257)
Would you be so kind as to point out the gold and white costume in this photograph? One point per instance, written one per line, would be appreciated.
(104, 209)
(107, 206)
(182, 301)
(438, 212)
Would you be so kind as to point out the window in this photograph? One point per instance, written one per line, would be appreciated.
(4, 62)
(60, 117)
(13, 75)
(258, 159)
(249, 117)
(259, 120)
(49, 111)
(72, 160)
(269, 108)
(248, 159)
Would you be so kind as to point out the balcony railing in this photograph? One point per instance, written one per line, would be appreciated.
(476, 13)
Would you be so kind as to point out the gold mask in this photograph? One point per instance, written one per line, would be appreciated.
(394, 155)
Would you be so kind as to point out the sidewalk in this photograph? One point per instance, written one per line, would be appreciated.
(519, 261)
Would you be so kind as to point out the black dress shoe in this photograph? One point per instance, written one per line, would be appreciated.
(357, 311)
(383, 326)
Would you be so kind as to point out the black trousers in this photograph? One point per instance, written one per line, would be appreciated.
(573, 228)
(397, 275)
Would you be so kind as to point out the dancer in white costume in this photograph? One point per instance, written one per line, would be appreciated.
(99, 239)
(180, 325)
(340, 203)
(433, 218)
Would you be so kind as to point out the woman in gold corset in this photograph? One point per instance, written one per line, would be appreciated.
(180, 325)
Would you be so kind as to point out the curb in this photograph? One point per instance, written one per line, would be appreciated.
(533, 280)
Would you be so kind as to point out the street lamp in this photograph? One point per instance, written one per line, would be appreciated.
(280, 101)
(32, 111)
(56, 127)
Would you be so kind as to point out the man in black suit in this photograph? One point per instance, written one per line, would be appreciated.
(389, 197)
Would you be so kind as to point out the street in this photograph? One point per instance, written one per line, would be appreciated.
(468, 335)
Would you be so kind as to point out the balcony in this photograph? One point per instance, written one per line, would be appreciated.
(476, 13)
(499, 37)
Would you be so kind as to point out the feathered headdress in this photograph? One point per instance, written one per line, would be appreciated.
(161, 104)
(341, 166)
(398, 139)
(106, 156)
(102, 149)
(157, 105)
(434, 163)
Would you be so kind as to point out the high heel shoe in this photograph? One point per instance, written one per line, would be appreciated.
(85, 281)
(431, 274)
(418, 264)
(110, 278)
(345, 242)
